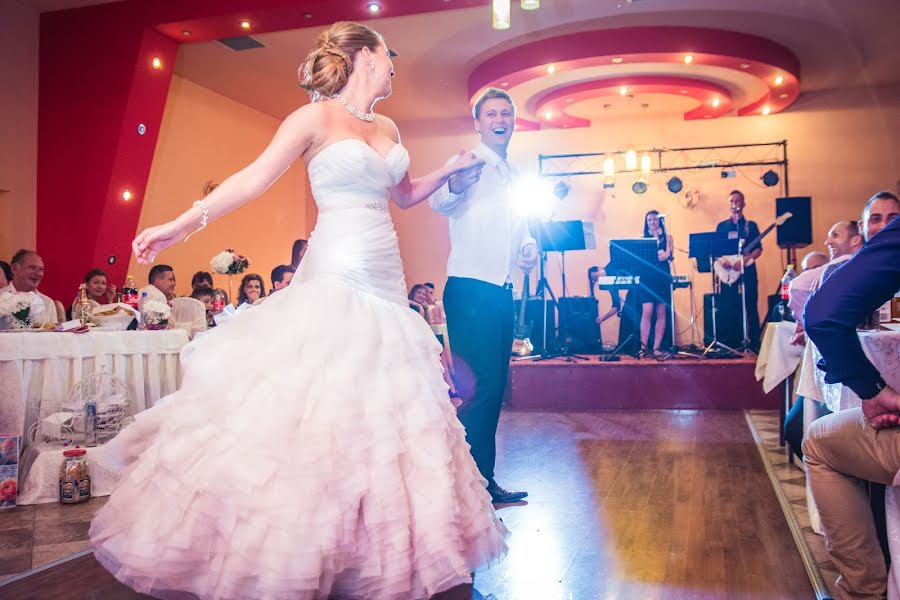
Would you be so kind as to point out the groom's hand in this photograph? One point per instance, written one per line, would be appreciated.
(463, 180)
(528, 258)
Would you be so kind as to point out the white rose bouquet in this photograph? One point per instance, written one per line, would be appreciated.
(156, 314)
(228, 262)
(18, 309)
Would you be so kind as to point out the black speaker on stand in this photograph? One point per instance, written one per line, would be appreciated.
(796, 232)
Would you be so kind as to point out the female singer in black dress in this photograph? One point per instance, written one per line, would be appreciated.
(655, 290)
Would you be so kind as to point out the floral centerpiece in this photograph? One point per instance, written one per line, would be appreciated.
(228, 262)
(18, 309)
(156, 314)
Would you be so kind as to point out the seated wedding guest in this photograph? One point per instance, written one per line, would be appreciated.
(205, 295)
(281, 277)
(252, 289)
(813, 260)
(430, 289)
(418, 299)
(162, 285)
(201, 278)
(423, 302)
(27, 272)
(848, 447)
(297, 253)
(98, 290)
(5, 274)
(843, 241)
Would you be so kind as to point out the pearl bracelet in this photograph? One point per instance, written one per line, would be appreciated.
(204, 217)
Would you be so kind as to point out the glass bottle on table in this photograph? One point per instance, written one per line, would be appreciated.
(83, 310)
(130, 293)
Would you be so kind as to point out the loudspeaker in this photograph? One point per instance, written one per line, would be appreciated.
(578, 327)
(729, 319)
(796, 231)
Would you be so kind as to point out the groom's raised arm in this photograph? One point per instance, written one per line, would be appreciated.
(443, 201)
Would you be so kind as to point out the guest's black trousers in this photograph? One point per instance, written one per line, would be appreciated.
(480, 325)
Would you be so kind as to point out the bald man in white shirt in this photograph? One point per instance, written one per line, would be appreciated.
(489, 242)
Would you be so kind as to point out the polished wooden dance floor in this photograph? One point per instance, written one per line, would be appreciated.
(623, 504)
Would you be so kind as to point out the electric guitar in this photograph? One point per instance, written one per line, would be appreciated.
(522, 346)
(728, 268)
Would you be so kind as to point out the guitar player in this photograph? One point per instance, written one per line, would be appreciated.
(738, 227)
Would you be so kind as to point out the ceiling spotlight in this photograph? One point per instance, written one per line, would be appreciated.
(617, 59)
(623, 91)
(561, 189)
(126, 195)
(646, 164)
(373, 7)
(548, 115)
(157, 63)
(500, 14)
(715, 103)
(245, 24)
(639, 186)
(766, 110)
(609, 172)
(779, 80)
(783, 95)
(770, 178)
(504, 84)
(688, 59)
(674, 185)
(551, 69)
(530, 4)
(186, 33)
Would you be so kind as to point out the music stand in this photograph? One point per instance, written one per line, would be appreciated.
(706, 248)
(560, 236)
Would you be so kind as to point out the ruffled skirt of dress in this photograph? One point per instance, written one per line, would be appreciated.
(311, 452)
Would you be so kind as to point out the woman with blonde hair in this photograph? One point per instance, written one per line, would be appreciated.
(312, 450)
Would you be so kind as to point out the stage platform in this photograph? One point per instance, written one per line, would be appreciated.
(678, 383)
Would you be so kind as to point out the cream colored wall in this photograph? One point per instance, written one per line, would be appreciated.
(203, 137)
(18, 125)
(842, 147)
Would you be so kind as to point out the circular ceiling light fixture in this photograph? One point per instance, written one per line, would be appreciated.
(770, 178)
(674, 185)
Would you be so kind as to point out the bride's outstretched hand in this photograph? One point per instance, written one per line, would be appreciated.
(153, 240)
(467, 161)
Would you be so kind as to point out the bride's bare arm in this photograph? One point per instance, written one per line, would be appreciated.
(293, 138)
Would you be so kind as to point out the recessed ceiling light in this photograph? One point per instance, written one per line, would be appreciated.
(688, 59)
(186, 33)
(783, 95)
(504, 84)
(766, 110)
(715, 103)
(548, 115)
(683, 91)
(617, 59)
(374, 7)
(623, 90)
(126, 195)
(779, 80)
(745, 65)
(245, 24)
(157, 63)
(307, 15)
(551, 69)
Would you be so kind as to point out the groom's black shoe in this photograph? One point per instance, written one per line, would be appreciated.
(501, 496)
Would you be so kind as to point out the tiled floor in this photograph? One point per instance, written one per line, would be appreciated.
(31, 536)
(623, 504)
(793, 482)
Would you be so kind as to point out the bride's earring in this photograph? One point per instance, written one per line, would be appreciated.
(371, 65)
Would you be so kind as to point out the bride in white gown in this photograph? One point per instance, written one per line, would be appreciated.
(312, 450)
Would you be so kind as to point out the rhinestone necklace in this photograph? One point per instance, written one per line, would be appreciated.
(362, 116)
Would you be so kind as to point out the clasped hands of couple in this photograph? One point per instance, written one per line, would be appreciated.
(883, 410)
(468, 172)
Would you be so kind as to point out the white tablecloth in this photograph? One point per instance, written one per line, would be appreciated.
(777, 359)
(40, 369)
(881, 347)
(41, 462)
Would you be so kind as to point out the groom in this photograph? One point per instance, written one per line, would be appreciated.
(489, 240)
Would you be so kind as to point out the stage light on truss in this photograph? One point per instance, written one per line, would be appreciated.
(646, 164)
(639, 186)
(534, 197)
(609, 172)
(674, 185)
(631, 160)
(770, 178)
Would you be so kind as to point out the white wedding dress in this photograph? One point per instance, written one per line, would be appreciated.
(312, 451)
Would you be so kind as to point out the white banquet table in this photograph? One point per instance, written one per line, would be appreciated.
(778, 358)
(39, 369)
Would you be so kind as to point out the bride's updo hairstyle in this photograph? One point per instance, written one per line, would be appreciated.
(327, 68)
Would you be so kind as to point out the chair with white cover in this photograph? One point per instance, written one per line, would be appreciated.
(188, 314)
